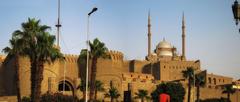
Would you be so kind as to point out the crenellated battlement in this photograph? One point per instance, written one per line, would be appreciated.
(115, 55)
(71, 58)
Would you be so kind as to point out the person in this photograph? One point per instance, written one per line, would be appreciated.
(164, 97)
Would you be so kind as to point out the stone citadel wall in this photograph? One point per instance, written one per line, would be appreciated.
(140, 74)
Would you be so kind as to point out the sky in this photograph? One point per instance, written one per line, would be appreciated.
(211, 33)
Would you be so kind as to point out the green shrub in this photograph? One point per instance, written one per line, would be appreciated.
(26, 99)
(175, 90)
(57, 97)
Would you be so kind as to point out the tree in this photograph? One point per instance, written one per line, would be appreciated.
(142, 94)
(97, 50)
(82, 67)
(199, 82)
(14, 51)
(82, 88)
(189, 74)
(112, 93)
(39, 47)
(175, 90)
(98, 87)
(82, 60)
(228, 89)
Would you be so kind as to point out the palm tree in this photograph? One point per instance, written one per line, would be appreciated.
(189, 74)
(142, 94)
(82, 59)
(199, 82)
(97, 50)
(39, 48)
(112, 93)
(228, 89)
(98, 87)
(82, 88)
(14, 51)
(44, 52)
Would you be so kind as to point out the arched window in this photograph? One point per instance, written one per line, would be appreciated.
(214, 80)
(209, 80)
(65, 85)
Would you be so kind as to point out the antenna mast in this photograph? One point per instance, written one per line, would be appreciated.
(58, 25)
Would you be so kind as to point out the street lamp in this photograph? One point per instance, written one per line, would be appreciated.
(86, 87)
(236, 12)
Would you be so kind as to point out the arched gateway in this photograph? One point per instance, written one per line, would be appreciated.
(66, 87)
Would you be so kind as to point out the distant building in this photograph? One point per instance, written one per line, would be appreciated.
(162, 65)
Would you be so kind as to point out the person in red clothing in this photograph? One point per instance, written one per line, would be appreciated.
(164, 97)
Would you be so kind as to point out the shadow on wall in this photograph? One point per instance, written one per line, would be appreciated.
(8, 77)
(131, 66)
(156, 70)
(147, 69)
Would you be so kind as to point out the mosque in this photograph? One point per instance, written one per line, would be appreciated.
(161, 65)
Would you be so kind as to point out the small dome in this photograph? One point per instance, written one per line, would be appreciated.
(164, 44)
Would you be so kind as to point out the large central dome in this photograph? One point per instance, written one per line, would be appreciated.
(164, 48)
(164, 44)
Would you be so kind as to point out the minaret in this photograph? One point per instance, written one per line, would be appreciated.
(149, 34)
(183, 37)
(58, 25)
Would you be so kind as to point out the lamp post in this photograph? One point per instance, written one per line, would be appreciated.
(236, 12)
(193, 86)
(86, 87)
